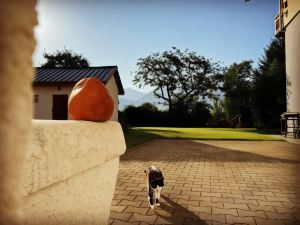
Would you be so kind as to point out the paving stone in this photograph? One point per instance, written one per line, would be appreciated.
(139, 210)
(204, 209)
(160, 212)
(117, 208)
(211, 183)
(140, 198)
(262, 208)
(277, 199)
(246, 201)
(224, 200)
(239, 220)
(200, 198)
(179, 196)
(251, 197)
(119, 222)
(132, 203)
(126, 197)
(263, 193)
(189, 221)
(248, 213)
(212, 204)
(280, 216)
(115, 201)
(234, 196)
(218, 211)
(188, 202)
(269, 203)
(138, 193)
(163, 221)
(260, 221)
(287, 210)
(206, 194)
(236, 206)
(209, 217)
(143, 218)
(120, 216)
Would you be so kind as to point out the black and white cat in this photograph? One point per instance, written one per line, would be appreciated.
(155, 183)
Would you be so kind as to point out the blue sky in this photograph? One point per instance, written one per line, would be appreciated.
(118, 32)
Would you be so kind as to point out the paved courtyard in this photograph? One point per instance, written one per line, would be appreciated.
(211, 182)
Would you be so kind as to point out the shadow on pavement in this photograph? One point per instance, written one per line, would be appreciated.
(189, 150)
(180, 215)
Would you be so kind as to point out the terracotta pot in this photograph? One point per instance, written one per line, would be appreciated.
(90, 100)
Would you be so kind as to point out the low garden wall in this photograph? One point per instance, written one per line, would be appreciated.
(70, 172)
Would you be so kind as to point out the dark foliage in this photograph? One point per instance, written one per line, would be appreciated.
(64, 58)
(148, 115)
(123, 121)
(269, 88)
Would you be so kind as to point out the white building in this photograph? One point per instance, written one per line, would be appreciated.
(52, 88)
(287, 24)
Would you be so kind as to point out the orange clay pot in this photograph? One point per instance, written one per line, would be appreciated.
(90, 100)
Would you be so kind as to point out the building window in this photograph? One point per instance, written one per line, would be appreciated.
(285, 4)
(36, 98)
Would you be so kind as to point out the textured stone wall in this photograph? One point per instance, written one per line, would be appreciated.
(17, 19)
(70, 172)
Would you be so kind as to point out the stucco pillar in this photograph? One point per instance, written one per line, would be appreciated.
(17, 19)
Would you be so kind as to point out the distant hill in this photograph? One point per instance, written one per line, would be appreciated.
(134, 97)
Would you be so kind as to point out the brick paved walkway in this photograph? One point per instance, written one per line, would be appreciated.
(211, 182)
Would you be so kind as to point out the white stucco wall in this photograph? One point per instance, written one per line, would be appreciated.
(292, 46)
(114, 93)
(43, 109)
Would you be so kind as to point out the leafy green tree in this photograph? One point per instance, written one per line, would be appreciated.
(218, 114)
(178, 77)
(269, 90)
(148, 107)
(238, 88)
(64, 58)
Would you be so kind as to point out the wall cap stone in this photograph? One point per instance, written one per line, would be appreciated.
(59, 150)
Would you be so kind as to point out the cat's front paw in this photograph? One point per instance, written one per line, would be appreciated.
(157, 204)
(150, 203)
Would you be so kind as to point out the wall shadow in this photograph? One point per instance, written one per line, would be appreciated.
(188, 150)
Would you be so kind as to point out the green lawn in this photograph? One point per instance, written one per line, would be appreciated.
(140, 135)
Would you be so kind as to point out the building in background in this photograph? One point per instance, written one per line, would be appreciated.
(52, 88)
(287, 24)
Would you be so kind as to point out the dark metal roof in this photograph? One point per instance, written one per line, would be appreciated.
(73, 75)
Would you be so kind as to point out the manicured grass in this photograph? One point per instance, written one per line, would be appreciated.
(140, 135)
